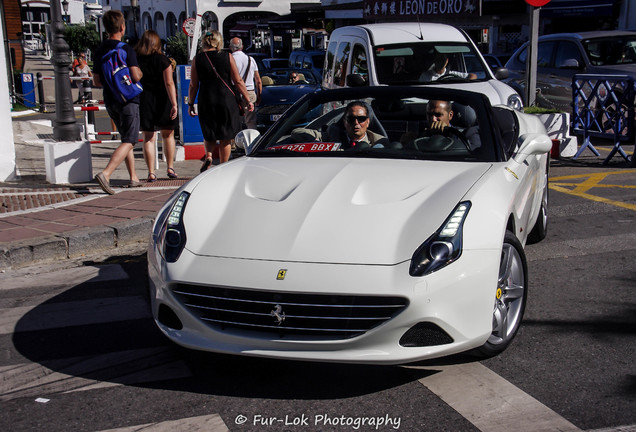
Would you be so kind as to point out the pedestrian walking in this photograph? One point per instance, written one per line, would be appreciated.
(216, 80)
(125, 115)
(83, 71)
(158, 104)
(248, 70)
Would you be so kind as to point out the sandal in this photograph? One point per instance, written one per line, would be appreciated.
(172, 174)
(206, 165)
(151, 178)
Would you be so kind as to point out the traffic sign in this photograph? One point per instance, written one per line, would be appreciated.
(188, 26)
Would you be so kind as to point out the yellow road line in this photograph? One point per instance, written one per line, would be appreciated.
(592, 181)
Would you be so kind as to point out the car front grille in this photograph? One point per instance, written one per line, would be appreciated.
(288, 315)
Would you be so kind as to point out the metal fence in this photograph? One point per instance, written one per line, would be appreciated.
(603, 107)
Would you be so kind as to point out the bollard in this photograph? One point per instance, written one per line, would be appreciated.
(41, 92)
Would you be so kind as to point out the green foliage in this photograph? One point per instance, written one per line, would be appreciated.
(81, 37)
(539, 110)
(177, 48)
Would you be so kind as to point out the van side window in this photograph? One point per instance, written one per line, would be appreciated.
(340, 67)
(359, 61)
(328, 69)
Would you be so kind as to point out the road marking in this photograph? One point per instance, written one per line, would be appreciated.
(591, 181)
(72, 313)
(490, 402)
(208, 423)
(91, 372)
(64, 278)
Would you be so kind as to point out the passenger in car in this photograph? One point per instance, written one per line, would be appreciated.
(351, 130)
(439, 69)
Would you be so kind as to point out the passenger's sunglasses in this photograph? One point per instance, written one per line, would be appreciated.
(361, 119)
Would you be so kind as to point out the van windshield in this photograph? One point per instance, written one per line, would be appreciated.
(417, 63)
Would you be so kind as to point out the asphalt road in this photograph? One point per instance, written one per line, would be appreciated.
(79, 350)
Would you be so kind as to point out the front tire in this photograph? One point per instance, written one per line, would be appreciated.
(510, 297)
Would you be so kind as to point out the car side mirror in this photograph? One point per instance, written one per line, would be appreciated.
(356, 80)
(532, 144)
(502, 73)
(570, 64)
(246, 140)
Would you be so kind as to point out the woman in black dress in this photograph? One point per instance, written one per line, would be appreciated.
(216, 105)
(158, 103)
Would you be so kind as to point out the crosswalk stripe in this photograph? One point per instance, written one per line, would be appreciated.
(490, 402)
(207, 423)
(72, 313)
(91, 372)
(64, 278)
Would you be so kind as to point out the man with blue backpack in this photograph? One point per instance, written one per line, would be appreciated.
(115, 67)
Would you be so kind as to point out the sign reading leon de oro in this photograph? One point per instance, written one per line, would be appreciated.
(188, 26)
(404, 10)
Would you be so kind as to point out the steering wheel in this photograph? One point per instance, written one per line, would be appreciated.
(435, 141)
(451, 132)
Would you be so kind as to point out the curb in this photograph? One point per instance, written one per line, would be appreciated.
(75, 244)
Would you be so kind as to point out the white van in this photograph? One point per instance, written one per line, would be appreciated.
(412, 54)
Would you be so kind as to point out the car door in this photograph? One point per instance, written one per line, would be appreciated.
(545, 70)
(568, 61)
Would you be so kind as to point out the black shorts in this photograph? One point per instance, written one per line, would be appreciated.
(126, 118)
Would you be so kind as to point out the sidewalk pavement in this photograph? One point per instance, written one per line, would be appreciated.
(42, 222)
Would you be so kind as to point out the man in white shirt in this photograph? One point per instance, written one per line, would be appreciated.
(248, 70)
(439, 69)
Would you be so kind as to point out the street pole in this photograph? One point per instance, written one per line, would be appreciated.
(134, 4)
(531, 59)
(64, 128)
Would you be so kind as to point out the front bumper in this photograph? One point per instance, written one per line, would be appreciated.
(458, 300)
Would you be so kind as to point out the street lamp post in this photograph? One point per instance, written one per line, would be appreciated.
(64, 127)
(134, 4)
(65, 7)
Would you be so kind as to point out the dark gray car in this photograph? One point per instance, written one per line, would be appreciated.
(561, 56)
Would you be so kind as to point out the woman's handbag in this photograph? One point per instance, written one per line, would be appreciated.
(239, 98)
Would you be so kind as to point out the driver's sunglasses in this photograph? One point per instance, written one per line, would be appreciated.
(293, 76)
(361, 119)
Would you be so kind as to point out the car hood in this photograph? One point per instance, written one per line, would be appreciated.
(277, 95)
(328, 210)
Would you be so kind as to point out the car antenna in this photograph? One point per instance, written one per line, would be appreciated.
(419, 25)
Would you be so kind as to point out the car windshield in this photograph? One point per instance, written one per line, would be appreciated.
(381, 122)
(417, 63)
(286, 77)
(611, 50)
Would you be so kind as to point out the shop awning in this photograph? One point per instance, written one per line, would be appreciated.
(577, 8)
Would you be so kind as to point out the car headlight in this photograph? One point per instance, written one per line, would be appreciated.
(444, 246)
(171, 236)
(515, 102)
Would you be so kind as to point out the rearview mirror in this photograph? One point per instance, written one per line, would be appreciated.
(356, 80)
(502, 73)
(247, 139)
(532, 144)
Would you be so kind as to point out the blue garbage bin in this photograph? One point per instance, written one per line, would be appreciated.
(189, 127)
(27, 89)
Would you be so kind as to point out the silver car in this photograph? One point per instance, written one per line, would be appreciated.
(561, 56)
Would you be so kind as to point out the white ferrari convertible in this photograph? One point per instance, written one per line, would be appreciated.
(406, 246)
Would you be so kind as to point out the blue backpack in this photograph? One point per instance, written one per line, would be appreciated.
(117, 74)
